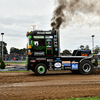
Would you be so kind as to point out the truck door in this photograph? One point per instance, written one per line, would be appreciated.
(49, 47)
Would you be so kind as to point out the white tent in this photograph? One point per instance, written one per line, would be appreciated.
(98, 54)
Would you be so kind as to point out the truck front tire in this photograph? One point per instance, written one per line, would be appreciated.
(40, 69)
(86, 67)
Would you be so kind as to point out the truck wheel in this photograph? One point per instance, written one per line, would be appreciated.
(86, 67)
(40, 69)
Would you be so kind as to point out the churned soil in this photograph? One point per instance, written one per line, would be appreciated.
(55, 84)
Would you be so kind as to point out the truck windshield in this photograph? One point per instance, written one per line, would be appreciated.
(29, 40)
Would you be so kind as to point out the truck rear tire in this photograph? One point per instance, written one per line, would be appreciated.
(40, 69)
(86, 67)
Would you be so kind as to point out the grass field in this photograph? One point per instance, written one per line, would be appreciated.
(88, 98)
(99, 62)
(13, 71)
(15, 62)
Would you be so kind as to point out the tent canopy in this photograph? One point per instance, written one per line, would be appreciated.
(98, 54)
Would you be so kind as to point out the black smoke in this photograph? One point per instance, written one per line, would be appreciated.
(74, 11)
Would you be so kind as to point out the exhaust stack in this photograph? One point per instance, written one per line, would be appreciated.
(58, 33)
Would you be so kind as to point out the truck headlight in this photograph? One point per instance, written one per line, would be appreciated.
(29, 52)
(29, 47)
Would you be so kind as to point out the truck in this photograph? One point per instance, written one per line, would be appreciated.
(43, 53)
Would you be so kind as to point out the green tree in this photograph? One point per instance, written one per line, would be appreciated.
(22, 51)
(97, 49)
(2, 64)
(82, 47)
(16, 50)
(86, 47)
(4, 48)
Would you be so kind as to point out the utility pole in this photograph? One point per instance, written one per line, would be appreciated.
(2, 44)
(93, 43)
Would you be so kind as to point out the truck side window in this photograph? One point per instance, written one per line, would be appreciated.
(39, 42)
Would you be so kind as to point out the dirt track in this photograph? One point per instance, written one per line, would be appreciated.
(61, 84)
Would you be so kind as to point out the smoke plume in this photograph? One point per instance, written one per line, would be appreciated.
(75, 11)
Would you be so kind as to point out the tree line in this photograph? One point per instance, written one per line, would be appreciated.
(14, 50)
(96, 48)
(65, 52)
(82, 47)
(18, 51)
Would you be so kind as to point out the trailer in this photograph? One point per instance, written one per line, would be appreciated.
(43, 53)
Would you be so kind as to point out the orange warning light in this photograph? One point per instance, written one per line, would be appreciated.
(27, 33)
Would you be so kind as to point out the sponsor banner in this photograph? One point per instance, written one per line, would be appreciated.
(57, 65)
(49, 48)
(56, 49)
(58, 60)
(39, 53)
(49, 60)
(66, 64)
(67, 67)
(55, 43)
(32, 61)
(48, 40)
(50, 68)
(48, 37)
(55, 36)
(43, 32)
(55, 40)
(57, 68)
(50, 64)
(38, 37)
(74, 66)
(62, 67)
(74, 62)
(66, 61)
(43, 59)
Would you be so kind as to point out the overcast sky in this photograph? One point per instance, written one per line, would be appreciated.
(16, 17)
